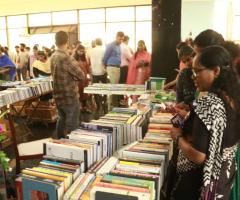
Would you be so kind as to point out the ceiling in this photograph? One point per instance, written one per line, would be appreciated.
(15, 7)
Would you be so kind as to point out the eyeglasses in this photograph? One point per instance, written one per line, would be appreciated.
(195, 72)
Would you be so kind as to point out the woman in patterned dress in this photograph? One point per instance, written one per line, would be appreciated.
(206, 164)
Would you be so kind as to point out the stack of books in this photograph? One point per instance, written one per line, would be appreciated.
(51, 178)
(118, 178)
(23, 90)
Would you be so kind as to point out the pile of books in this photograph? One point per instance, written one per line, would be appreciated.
(49, 180)
(118, 178)
(122, 89)
(20, 91)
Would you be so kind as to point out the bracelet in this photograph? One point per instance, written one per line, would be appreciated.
(177, 139)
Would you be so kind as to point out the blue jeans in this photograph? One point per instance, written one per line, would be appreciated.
(68, 118)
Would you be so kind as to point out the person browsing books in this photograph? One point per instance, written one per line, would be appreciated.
(66, 73)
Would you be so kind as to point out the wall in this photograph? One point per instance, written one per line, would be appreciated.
(22, 6)
(196, 17)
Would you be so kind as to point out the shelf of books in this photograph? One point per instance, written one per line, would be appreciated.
(123, 155)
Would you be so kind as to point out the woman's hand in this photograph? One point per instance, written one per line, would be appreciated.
(182, 109)
(175, 132)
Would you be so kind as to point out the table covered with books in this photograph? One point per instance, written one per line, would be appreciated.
(23, 100)
(124, 154)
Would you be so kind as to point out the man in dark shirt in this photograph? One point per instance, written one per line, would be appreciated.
(66, 73)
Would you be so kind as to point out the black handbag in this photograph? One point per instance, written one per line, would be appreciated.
(170, 178)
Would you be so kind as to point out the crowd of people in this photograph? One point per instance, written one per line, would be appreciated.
(100, 64)
(208, 100)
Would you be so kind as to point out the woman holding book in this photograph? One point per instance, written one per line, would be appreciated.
(206, 164)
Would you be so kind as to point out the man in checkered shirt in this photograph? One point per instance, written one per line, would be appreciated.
(66, 73)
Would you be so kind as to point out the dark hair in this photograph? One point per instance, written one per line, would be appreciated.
(181, 44)
(185, 51)
(42, 53)
(80, 57)
(120, 34)
(233, 49)
(207, 38)
(23, 45)
(35, 48)
(27, 48)
(99, 41)
(125, 38)
(61, 38)
(227, 82)
(136, 53)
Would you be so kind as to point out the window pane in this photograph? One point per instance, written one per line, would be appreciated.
(17, 36)
(3, 37)
(46, 40)
(89, 32)
(19, 21)
(126, 27)
(236, 7)
(143, 13)
(236, 30)
(120, 14)
(65, 17)
(42, 19)
(144, 32)
(2, 23)
(92, 16)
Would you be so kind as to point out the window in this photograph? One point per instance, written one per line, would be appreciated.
(120, 14)
(144, 32)
(19, 21)
(236, 30)
(42, 19)
(92, 16)
(89, 32)
(46, 40)
(3, 37)
(17, 36)
(2, 23)
(126, 27)
(143, 13)
(65, 17)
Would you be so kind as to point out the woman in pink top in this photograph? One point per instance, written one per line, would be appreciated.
(139, 66)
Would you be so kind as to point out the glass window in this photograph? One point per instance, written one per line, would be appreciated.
(17, 36)
(120, 14)
(65, 17)
(126, 27)
(92, 16)
(46, 40)
(236, 30)
(3, 37)
(2, 23)
(41, 19)
(236, 7)
(144, 32)
(89, 32)
(19, 21)
(143, 13)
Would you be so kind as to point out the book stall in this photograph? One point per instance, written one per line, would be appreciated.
(122, 155)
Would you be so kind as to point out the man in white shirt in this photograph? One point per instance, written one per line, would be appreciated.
(126, 55)
(98, 69)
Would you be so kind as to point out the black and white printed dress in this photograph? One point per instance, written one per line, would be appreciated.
(210, 129)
